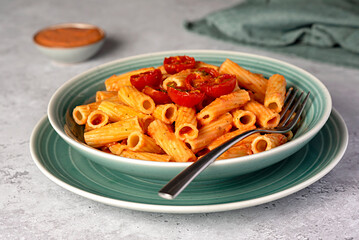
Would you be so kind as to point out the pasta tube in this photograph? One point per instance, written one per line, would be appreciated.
(136, 99)
(88, 128)
(248, 140)
(137, 141)
(97, 119)
(246, 79)
(162, 69)
(224, 138)
(112, 132)
(146, 156)
(103, 95)
(167, 113)
(222, 105)
(243, 119)
(178, 79)
(167, 140)
(275, 94)
(145, 122)
(186, 123)
(211, 131)
(267, 142)
(81, 113)
(118, 111)
(289, 135)
(117, 148)
(115, 82)
(236, 151)
(164, 73)
(200, 64)
(265, 117)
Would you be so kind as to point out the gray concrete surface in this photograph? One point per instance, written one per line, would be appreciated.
(33, 207)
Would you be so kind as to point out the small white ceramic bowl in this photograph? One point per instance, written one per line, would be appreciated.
(71, 54)
(82, 89)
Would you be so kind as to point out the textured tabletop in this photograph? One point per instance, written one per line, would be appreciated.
(34, 207)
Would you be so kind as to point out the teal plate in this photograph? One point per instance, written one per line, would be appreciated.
(72, 171)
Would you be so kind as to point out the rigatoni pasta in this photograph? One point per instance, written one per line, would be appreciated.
(112, 132)
(103, 95)
(115, 82)
(179, 79)
(236, 151)
(275, 93)
(222, 105)
(243, 119)
(148, 123)
(117, 111)
(146, 156)
(136, 99)
(167, 113)
(81, 113)
(246, 79)
(210, 132)
(265, 117)
(167, 140)
(267, 142)
(138, 141)
(186, 123)
(97, 119)
(200, 64)
(225, 137)
(117, 148)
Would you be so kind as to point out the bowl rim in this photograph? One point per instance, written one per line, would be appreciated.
(114, 158)
(68, 24)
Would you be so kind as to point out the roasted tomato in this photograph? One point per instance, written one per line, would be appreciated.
(178, 63)
(207, 72)
(209, 81)
(201, 76)
(158, 95)
(184, 97)
(221, 85)
(150, 78)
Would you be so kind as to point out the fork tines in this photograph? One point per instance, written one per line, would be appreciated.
(292, 104)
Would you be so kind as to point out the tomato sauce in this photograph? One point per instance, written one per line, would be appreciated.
(68, 37)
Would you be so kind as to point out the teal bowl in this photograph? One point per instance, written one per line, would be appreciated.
(82, 88)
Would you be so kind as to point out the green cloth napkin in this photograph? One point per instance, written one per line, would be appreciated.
(323, 30)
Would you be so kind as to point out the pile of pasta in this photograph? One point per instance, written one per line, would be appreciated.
(128, 123)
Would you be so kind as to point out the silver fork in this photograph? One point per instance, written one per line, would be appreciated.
(181, 181)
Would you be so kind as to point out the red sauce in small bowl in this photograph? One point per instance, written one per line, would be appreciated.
(69, 35)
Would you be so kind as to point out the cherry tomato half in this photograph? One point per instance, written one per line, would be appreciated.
(150, 78)
(178, 63)
(206, 71)
(159, 96)
(221, 85)
(187, 98)
(201, 76)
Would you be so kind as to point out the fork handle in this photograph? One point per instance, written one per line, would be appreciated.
(181, 181)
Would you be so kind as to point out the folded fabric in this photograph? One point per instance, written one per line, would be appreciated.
(323, 30)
